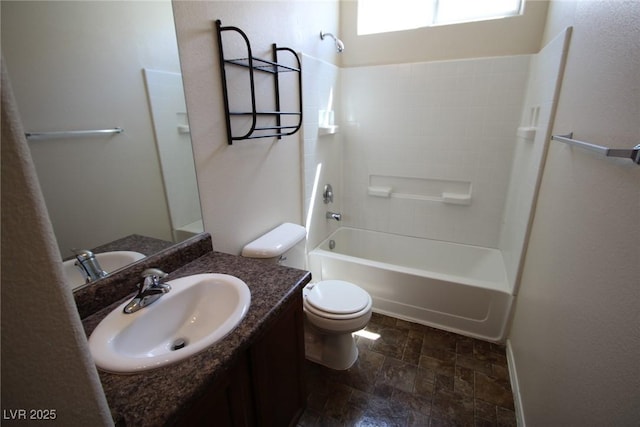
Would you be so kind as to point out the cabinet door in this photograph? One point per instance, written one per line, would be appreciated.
(277, 363)
(226, 404)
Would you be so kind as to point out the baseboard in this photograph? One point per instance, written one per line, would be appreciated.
(515, 388)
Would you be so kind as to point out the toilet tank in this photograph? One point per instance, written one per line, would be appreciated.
(284, 245)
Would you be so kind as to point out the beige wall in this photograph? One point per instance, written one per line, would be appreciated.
(510, 36)
(575, 334)
(252, 186)
(76, 66)
(575, 339)
(249, 187)
(46, 362)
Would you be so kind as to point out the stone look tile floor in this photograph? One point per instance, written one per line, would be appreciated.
(413, 375)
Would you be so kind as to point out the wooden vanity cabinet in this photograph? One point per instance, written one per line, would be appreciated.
(265, 387)
(277, 369)
(227, 403)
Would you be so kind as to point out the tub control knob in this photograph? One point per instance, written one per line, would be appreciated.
(327, 195)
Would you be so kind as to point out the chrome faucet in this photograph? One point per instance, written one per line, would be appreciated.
(334, 215)
(149, 290)
(88, 265)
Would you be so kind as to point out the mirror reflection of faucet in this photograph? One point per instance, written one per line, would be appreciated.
(334, 215)
(88, 265)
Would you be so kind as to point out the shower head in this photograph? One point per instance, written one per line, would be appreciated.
(339, 44)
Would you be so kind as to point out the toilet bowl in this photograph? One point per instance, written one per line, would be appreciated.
(334, 309)
(337, 306)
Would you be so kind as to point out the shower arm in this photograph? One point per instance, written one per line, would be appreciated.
(338, 42)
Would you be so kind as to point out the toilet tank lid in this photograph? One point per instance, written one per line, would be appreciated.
(276, 242)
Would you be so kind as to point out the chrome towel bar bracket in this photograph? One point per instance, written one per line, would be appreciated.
(632, 153)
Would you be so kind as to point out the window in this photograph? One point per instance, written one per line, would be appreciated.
(381, 16)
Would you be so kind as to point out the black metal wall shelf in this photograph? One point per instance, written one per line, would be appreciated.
(264, 123)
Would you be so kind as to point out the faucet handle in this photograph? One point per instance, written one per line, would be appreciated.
(149, 290)
(154, 272)
(151, 277)
(327, 195)
(82, 254)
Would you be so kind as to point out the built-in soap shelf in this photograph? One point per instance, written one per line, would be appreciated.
(326, 123)
(379, 191)
(327, 130)
(427, 189)
(528, 131)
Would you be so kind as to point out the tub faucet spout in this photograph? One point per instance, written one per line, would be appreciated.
(334, 215)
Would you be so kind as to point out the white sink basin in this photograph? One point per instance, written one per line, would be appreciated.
(199, 311)
(109, 261)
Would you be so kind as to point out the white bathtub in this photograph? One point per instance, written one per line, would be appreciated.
(456, 287)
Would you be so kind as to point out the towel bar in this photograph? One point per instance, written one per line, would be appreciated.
(633, 153)
(71, 133)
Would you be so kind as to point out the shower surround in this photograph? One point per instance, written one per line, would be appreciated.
(447, 151)
(432, 123)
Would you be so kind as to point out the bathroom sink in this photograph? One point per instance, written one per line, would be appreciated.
(109, 261)
(199, 311)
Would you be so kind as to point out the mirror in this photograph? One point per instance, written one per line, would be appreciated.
(100, 65)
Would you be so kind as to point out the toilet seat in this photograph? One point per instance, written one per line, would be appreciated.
(336, 299)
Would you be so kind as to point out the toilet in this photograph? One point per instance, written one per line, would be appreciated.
(333, 309)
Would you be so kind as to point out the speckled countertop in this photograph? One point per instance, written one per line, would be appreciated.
(166, 256)
(159, 396)
(135, 242)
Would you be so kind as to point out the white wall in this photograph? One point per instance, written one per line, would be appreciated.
(322, 149)
(545, 75)
(575, 338)
(438, 124)
(169, 112)
(78, 65)
(517, 35)
(249, 187)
